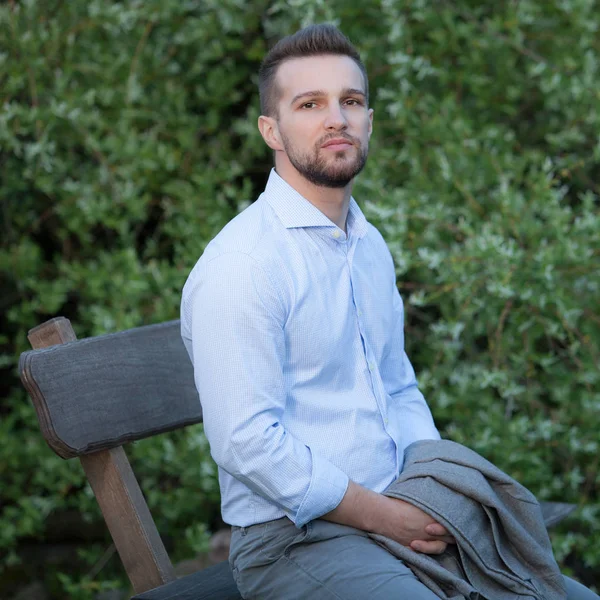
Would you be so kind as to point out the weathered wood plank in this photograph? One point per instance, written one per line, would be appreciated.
(134, 384)
(128, 519)
(214, 583)
(52, 332)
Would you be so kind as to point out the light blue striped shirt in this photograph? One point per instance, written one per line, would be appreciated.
(295, 331)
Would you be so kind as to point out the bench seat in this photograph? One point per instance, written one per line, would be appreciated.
(214, 583)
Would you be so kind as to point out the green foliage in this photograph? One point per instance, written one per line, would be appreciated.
(84, 588)
(128, 139)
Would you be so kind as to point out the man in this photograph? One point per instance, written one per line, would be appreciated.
(294, 324)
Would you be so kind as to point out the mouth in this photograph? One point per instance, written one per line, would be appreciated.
(337, 144)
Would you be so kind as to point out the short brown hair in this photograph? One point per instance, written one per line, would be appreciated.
(314, 40)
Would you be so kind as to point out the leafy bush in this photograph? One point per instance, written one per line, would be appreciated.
(128, 138)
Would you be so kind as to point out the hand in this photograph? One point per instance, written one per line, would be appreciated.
(399, 520)
(410, 526)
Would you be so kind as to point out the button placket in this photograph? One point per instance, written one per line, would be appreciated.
(371, 364)
(376, 384)
(349, 257)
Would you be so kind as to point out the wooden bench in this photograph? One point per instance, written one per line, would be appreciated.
(96, 394)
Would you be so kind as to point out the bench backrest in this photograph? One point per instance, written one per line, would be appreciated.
(98, 393)
(93, 395)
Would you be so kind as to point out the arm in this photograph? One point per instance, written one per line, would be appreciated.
(238, 347)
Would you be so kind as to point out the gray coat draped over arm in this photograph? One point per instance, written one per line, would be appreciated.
(502, 547)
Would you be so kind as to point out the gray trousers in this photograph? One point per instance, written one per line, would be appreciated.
(277, 561)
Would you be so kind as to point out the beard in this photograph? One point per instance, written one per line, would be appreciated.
(337, 172)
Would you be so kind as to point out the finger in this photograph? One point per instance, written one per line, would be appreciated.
(435, 547)
(436, 529)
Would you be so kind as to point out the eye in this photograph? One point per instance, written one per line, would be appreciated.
(353, 102)
(308, 105)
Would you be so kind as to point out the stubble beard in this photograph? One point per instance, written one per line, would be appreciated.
(335, 173)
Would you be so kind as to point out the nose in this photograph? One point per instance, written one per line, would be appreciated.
(335, 118)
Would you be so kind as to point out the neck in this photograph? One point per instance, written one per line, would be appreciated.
(332, 202)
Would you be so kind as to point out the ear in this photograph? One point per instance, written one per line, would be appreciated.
(370, 121)
(270, 132)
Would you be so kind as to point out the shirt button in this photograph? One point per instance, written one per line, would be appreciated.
(359, 312)
(336, 234)
(386, 421)
(371, 366)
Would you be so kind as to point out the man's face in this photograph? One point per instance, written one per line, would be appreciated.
(323, 120)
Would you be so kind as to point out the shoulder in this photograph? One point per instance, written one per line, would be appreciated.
(243, 240)
(237, 259)
(246, 232)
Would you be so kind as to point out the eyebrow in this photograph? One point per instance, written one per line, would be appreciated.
(321, 93)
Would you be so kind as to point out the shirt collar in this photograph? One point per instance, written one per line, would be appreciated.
(294, 210)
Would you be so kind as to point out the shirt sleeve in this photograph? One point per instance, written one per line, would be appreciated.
(416, 421)
(238, 353)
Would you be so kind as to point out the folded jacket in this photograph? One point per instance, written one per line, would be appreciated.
(502, 549)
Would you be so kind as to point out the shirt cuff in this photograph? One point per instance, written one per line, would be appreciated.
(327, 487)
